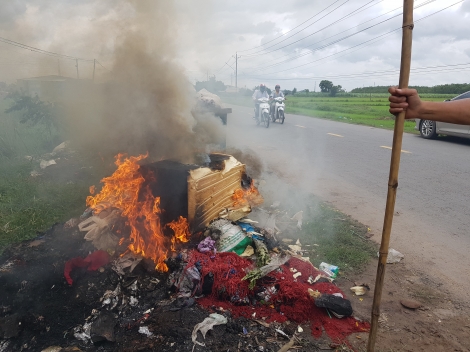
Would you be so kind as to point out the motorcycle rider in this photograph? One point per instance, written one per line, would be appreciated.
(275, 94)
(258, 94)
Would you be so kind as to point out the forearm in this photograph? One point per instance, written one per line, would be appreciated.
(457, 112)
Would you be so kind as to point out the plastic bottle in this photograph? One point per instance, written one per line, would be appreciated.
(330, 270)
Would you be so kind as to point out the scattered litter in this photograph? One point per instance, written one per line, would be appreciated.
(249, 251)
(48, 349)
(129, 260)
(83, 333)
(312, 280)
(45, 163)
(94, 261)
(60, 148)
(280, 332)
(335, 303)
(36, 243)
(207, 245)
(359, 290)
(296, 275)
(287, 240)
(299, 329)
(71, 223)
(313, 293)
(35, 173)
(206, 325)
(98, 229)
(287, 346)
(232, 238)
(298, 216)
(248, 221)
(393, 256)
(276, 204)
(330, 270)
(111, 298)
(410, 303)
(144, 330)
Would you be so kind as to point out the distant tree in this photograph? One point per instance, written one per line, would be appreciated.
(212, 85)
(294, 91)
(325, 86)
(287, 92)
(336, 89)
(35, 111)
(306, 91)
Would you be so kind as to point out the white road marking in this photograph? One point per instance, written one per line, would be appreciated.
(336, 135)
(403, 151)
(300, 126)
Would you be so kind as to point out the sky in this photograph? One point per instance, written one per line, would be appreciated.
(295, 43)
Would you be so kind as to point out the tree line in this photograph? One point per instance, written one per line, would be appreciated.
(452, 88)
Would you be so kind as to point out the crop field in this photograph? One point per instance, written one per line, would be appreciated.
(362, 109)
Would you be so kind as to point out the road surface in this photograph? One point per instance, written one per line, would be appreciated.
(348, 165)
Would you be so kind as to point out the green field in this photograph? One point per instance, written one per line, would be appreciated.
(361, 109)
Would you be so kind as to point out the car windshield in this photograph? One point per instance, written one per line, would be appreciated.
(465, 95)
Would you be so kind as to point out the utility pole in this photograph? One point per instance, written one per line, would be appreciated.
(58, 66)
(76, 65)
(236, 70)
(315, 87)
(94, 64)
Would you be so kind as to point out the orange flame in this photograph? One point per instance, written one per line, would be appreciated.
(249, 196)
(181, 229)
(124, 190)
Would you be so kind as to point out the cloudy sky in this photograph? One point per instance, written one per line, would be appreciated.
(295, 43)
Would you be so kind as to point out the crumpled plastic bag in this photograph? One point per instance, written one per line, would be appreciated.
(94, 261)
(97, 229)
(393, 257)
(129, 260)
(206, 325)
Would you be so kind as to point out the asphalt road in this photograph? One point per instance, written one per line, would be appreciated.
(348, 165)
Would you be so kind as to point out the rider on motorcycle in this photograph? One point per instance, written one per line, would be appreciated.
(258, 94)
(275, 94)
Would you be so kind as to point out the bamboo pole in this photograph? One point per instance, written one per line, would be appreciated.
(394, 167)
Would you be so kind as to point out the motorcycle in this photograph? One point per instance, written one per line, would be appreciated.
(278, 111)
(263, 112)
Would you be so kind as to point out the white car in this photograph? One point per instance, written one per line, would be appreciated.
(431, 129)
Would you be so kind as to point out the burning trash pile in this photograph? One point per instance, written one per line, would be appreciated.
(165, 239)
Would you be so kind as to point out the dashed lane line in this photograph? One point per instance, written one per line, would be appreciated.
(336, 135)
(300, 126)
(403, 151)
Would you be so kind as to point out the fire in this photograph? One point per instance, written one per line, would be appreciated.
(125, 190)
(245, 196)
(181, 229)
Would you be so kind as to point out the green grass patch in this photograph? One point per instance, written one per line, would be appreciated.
(29, 204)
(362, 109)
(336, 238)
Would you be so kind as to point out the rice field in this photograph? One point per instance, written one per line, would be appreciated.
(362, 109)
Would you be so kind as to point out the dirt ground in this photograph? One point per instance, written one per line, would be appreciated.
(441, 324)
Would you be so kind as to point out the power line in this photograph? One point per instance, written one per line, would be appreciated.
(425, 69)
(340, 39)
(367, 41)
(45, 52)
(290, 30)
(256, 53)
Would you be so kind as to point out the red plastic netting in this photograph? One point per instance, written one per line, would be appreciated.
(290, 301)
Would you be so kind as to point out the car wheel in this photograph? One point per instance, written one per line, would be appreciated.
(427, 129)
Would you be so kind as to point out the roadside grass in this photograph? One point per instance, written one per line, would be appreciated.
(335, 238)
(362, 109)
(29, 205)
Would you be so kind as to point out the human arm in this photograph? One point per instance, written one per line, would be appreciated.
(408, 100)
